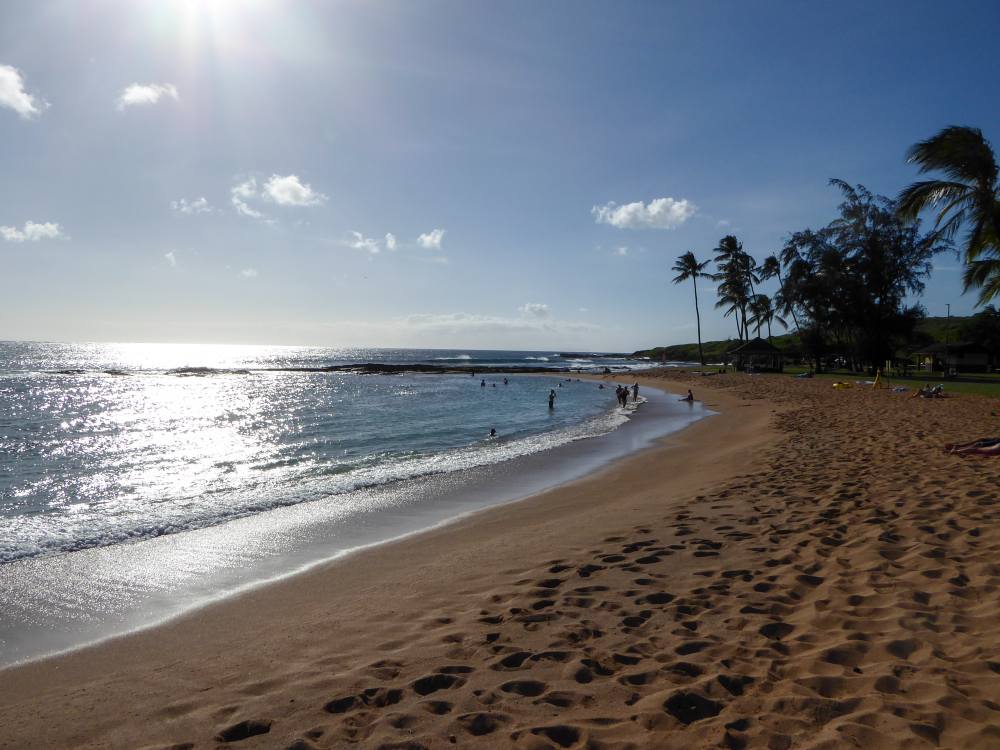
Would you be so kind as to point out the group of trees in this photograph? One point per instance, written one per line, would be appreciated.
(845, 286)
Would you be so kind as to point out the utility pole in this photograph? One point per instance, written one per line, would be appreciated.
(947, 339)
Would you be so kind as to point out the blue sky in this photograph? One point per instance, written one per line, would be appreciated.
(228, 171)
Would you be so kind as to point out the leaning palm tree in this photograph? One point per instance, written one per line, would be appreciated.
(688, 267)
(970, 197)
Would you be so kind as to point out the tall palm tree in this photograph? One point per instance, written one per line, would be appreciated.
(970, 197)
(688, 267)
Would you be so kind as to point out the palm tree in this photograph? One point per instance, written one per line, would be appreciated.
(970, 197)
(688, 267)
(771, 269)
(763, 313)
(737, 274)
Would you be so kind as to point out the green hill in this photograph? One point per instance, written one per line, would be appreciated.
(929, 330)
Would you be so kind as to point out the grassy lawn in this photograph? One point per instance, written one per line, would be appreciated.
(950, 386)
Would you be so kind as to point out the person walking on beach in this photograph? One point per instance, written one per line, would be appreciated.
(635, 391)
(552, 399)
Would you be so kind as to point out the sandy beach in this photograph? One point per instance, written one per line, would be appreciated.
(805, 570)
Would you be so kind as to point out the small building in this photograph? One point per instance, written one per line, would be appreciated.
(962, 356)
(757, 355)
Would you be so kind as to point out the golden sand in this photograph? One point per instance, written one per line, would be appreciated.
(806, 570)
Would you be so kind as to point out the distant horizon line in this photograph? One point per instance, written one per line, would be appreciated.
(551, 350)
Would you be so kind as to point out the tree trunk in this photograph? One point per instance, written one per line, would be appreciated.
(697, 317)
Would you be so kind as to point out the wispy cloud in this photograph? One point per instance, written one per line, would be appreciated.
(534, 309)
(144, 94)
(358, 241)
(289, 190)
(621, 251)
(171, 258)
(390, 241)
(32, 232)
(197, 206)
(459, 323)
(14, 96)
(240, 194)
(249, 273)
(659, 213)
(431, 240)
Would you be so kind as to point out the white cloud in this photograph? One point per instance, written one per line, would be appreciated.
(141, 94)
(534, 309)
(722, 223)
(171, 258)
(359, 242)
(621, 251)
(583, 309)
(13, 95)
(390, 240)
(431, 240)
(659, 213)
(239, 195)
(290, 191)
(32, 232)
(249, 273)
(197, 206)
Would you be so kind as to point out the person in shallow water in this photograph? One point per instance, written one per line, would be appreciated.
(493, 432)
(552, 399)
(689, 397)
(482, 383)
(635, 391)
(505, 381)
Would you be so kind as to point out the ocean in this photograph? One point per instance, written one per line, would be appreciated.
(144, 478)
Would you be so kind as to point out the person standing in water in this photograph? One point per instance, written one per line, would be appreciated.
(635, 391)
(552, 399)
(482, 383)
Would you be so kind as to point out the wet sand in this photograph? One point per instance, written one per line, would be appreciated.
(805, 570)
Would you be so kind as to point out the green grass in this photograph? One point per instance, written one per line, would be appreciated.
(950, 386)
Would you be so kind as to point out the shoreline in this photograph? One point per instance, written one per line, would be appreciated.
(808, 569)
(347, 583)
(280, 543)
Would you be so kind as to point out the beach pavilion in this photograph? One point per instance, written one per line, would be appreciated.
(757, 355)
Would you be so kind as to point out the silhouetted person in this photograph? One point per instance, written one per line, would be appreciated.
(552, 399)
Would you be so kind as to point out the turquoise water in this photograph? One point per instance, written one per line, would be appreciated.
(90, 459)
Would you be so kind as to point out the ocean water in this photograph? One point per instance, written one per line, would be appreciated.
(132, 491)
(89, 458)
